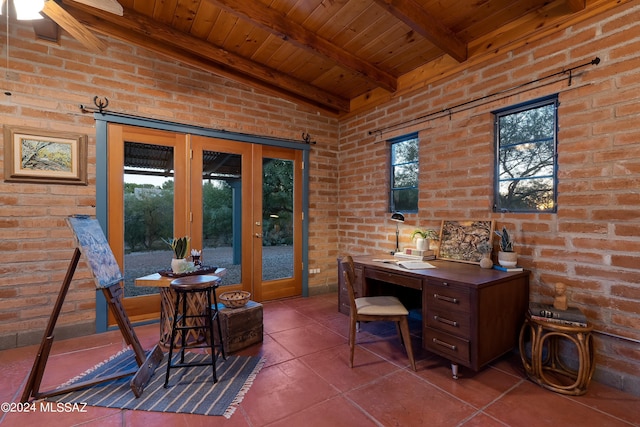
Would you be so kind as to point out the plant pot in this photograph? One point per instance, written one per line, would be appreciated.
(507, 259)
(178, 265)
(422, 244)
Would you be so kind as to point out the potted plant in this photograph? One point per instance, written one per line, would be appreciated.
(422, 238)
(506, 256)
(485, 249)
(180, 247)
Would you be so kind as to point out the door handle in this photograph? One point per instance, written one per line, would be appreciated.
(258, 235)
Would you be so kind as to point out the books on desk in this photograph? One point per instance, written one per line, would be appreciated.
(415, 254)
(508, 269)
(572, 316)
(415, 265)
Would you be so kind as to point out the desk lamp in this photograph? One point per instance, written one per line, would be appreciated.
(398, 218)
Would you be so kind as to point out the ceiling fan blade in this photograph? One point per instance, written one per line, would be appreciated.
(72, 26)
(111, 6)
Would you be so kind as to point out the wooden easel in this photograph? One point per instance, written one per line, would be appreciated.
(93, 244)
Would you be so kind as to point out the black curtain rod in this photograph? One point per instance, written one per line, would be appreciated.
(101, 105)
(420, 119)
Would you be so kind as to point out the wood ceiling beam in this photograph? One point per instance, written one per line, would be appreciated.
(577, 5)
(526, 30)
(278, 24)
(420, 21)
(79, 32)
(111, 6)
(140, 30)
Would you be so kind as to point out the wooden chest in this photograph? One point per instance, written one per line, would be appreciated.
(241, 327)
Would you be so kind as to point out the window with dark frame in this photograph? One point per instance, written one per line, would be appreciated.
(526, 157)
(404, 174)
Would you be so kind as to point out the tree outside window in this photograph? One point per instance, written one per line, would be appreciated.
(404, 174)
(526, 166)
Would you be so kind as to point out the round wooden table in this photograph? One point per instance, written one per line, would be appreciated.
(545, 364)
(167, 303)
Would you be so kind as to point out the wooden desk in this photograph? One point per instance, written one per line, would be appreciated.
(470, 315)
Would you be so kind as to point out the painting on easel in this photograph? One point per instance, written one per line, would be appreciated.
(91, 241)
(96, 250)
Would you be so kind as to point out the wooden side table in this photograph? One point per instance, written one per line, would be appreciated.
(167, 298)
(545, 366)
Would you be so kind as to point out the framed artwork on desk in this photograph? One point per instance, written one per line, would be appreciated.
(459, 239)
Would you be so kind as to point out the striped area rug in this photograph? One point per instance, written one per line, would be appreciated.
(190, 390)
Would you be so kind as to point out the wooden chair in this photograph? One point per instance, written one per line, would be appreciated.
(373, 309)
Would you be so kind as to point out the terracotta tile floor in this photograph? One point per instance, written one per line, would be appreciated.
(307, 382)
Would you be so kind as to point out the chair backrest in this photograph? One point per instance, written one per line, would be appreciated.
(348, 272)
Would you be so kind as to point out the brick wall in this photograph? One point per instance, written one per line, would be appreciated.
(47, 84)
(592, 243)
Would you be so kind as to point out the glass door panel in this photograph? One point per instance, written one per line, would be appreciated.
(220, 194)
(148, 212)
(221, 213)
(146, 202)
(278, 254)
(277, 219)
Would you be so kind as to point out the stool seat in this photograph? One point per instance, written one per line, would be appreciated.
(187, 319)
(194, 283)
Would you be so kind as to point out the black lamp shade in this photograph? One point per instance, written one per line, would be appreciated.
(397, 216)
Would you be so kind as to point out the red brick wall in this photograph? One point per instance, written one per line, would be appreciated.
(47, 84)
(593, 241)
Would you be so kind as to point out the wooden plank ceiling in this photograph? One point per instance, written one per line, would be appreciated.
(340, 56)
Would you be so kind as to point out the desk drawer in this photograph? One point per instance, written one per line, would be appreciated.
(396, 279)
(454, 322)
(447, 298)
(456, 349)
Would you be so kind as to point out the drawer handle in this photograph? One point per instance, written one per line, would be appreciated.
(447, 299)
(444, 344)
(446, 321)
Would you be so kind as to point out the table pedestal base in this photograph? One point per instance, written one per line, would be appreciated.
(196, 304)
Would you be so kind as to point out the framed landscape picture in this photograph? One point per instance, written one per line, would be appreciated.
(43, 156)
(459, 240)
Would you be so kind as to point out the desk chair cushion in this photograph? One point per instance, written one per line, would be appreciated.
(380, 306)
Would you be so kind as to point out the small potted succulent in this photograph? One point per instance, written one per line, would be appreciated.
(180, 247)
(423, 237)
(506, 256)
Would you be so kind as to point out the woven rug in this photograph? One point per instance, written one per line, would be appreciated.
(190, 390)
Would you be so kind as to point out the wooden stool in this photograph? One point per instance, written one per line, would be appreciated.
(185, 321)
(540, 368)
(196, 303)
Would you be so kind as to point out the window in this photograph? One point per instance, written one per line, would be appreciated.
(526, 166)
(404, 174)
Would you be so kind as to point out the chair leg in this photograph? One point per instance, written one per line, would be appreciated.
(209, 314)
(352, 339)
(219, 325)
(406, 338)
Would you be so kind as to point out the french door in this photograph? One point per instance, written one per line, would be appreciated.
(240, 204)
